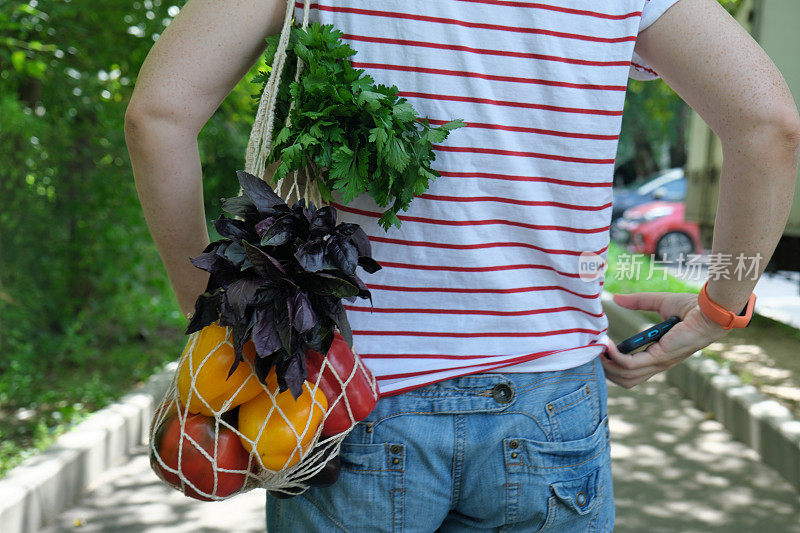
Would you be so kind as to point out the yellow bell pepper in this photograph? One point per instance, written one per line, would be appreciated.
(210, 373)
(276, 446)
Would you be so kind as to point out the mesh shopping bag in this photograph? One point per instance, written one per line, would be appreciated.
(213, 437)
(232, 419)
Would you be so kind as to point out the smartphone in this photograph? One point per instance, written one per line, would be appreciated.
(648, 336)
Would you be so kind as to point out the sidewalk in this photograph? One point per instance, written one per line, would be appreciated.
(674, 471)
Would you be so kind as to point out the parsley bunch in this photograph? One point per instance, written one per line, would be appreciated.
(351, 135)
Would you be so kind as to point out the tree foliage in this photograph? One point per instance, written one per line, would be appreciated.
(77, 264)
(654, 125)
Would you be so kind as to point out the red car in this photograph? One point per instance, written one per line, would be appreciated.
(658, 228)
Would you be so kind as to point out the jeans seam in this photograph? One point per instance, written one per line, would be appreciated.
(332, 519)
(603, 449)
(571, 403)
(458, 458)
(541, 382)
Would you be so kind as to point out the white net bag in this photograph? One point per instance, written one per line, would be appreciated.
(220, 430)
(215, 436)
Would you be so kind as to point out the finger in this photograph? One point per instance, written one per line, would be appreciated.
(621, 376)
(665, 304)
(628, 361)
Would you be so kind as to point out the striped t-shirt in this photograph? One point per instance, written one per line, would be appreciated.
(491, 269)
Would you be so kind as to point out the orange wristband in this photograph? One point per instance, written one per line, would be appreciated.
(725, 318)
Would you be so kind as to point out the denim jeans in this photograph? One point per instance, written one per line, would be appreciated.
(493, 451)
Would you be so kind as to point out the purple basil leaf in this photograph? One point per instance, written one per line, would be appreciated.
(282, 324)
(227, 314)
(240, 206)
(294, 374)
(206, 311)
(206, 261)
(234, 229)
(369, 264)
(361, 241)
(262, 195)
(342, 253)
(304, 316)
(265, 336)
(327, 284)
(264, 264)
(240, 293)
(339, 316)
(263, 365)
(323, 220)
(263, 226)
(234, 253)
(280, 232)
(311, 255)
(315, 337)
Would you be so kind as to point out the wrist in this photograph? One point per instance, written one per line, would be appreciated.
(723, 316)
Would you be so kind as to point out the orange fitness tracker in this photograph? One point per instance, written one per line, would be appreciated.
(725, 318)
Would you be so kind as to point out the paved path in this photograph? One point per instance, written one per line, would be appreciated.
(674, 469)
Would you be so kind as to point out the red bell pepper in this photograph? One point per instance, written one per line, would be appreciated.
(358, 391)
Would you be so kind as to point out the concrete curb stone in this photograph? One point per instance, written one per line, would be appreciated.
(763, 424)
(37, 491)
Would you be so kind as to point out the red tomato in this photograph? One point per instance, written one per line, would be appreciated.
(194, 465)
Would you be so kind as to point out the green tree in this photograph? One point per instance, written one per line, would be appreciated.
(654, 125)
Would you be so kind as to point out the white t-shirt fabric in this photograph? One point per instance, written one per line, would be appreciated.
(491, 270)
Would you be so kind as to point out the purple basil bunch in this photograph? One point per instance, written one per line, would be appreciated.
(278, 276)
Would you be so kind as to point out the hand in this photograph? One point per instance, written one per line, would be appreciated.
(695, 331)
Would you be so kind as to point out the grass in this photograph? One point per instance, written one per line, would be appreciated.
(621, 274)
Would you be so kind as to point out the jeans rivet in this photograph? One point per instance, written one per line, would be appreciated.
(514, 455)
(580, 498)
(549, 406)
(395, 448)
(588, 390)
(395, 461)
(369, 429)
(513, 444)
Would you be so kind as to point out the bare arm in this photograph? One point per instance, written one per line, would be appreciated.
(194, 65)
(712, 63)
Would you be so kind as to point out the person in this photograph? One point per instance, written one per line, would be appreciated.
(486, 335)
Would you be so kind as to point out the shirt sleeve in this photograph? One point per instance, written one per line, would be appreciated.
(651, 11)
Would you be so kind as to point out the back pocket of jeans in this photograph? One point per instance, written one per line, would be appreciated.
(574, 415)
(371, 480)
(555, 482)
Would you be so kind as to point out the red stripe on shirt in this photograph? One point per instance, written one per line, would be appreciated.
(481, 312)
(466, 24)
(538, 131)
(526, 105)
(490, 77)
(498, 268)
(514, 153)
(557, 8)
(484, 51)
(543, 179)
(445, 222)
(463, 290)
(511, 334)
(514, 201)
(479, 246)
